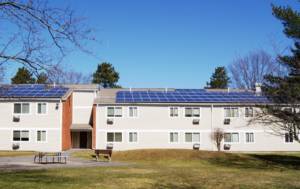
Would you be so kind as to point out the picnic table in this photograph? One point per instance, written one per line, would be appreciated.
(50, 157)
(106, 153)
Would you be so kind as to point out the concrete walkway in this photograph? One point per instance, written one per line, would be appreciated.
(26, 163)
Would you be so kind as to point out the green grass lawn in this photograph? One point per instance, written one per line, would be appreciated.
(15, 153)
(169, 169)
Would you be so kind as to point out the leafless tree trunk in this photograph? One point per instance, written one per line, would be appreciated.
(217, 136)
(251, 69)
(37, 35)
(2, 73)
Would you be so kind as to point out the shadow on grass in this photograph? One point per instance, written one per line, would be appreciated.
(258, 161)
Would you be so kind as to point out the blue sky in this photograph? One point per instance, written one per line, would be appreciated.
(174, 43)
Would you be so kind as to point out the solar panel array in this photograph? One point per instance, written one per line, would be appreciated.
(188, 96)
(31, 91)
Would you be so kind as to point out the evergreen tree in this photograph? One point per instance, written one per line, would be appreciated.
(219, 79)
(23, 76)
(106, 76)
(284, 91)
(42, 78)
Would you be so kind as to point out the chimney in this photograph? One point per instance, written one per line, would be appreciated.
(258, 88)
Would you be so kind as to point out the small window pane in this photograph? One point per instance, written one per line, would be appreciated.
(41, 136)
(188, 137)
(196, 112)
(248, 112)
(17, 136)
(118, 111)
(132, 111)
(196, 137)
(25, 108)
(118, 137)
(110, 137)
(17, 108)
(133, 137)
(249, 137)
(235, 137)
(188, 112)
(227, 137)
(289, 137)
(173, 137)
(174, 112)
(110, 112)
(24, 135)
(42, 108)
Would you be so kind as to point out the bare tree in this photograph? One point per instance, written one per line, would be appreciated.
(217, 136)
(2, 73)
(37, 35)
(250, 69)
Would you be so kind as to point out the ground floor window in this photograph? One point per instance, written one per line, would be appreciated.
(289, 137)
(249, 137)
(231, 137)
(41, 136)
(173, 137)
(133, 137)
(114, 137)
(20, 135)
(192, 137)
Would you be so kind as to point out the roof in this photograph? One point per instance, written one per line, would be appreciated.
(81, 127)
(82, 87)
(33, 91)
(178, 96)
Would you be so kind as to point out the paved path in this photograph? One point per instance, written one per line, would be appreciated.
(26, 163)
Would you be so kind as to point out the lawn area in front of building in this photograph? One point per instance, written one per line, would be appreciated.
(15, 153)
(168, 169)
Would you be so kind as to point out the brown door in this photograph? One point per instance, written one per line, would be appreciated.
(83, 139)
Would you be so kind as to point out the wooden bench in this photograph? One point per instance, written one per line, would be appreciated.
(46, 158)
(107, 153)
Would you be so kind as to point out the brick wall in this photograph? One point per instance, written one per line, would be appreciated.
(66, 123)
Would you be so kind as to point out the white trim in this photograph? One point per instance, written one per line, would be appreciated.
(239, 135)
(137, 112)
(192, 142)
(245, 138)
(36, 136)
(245, 112)
(106, 112)
(82, 107)
(178, 113)
(118, 142)
(21, 114)
(224, 117)
(137, 137)
(192, 117)
(169, 137)
(12, 135)
(37, 108)
(178, 130)
(28, 128)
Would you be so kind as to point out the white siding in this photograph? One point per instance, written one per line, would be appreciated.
(82, 106)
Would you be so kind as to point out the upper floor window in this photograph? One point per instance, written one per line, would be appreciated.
(173, 137)
(42, 108)
(21, 108)
(114, 111)
(248, 112)
(289, 137)
(231, 137)
(192, 137)
(173, 111)
(231, 112)
(192, 112)
(114, 137)
(249, 137)
(133, 111)
(20, 135)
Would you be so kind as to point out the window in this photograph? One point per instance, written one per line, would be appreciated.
(133, 137)
(21, 135)
(248, 112)
(192, 112)
(114, 111)
(173, 137)
(289, 137)
(173, 111)
(133, 111)
(41, 136)
(192, 137)
(249, 137)
(42, 108)
(114, 137)
(231, 112)
(21, 108)
(231, 137)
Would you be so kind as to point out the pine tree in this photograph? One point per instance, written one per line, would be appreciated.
(284, 91)
(23, 76)
(219, 79)
(42, 78)
(106, 76)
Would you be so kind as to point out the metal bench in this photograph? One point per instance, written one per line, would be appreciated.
(46, 158)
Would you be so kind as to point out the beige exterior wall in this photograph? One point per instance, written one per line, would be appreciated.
(82, 106)
(50, 122)
(154, 124)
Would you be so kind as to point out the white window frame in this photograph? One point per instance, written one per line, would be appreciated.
(246, 137)
(137, 137)
(137, 112)
(114, 133)
(114, 116)
(178, 111)
(245, 112)
(178, 135)
(200, 110)
(46, 136)
(21, 130)
(225, 142)
(192, 137)
(13, 108)
(238, 110)
(286, 141)
(37, 108)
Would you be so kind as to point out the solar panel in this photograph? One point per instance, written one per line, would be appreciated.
(187, 95)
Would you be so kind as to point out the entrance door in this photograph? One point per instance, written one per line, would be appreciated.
(83, 139)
